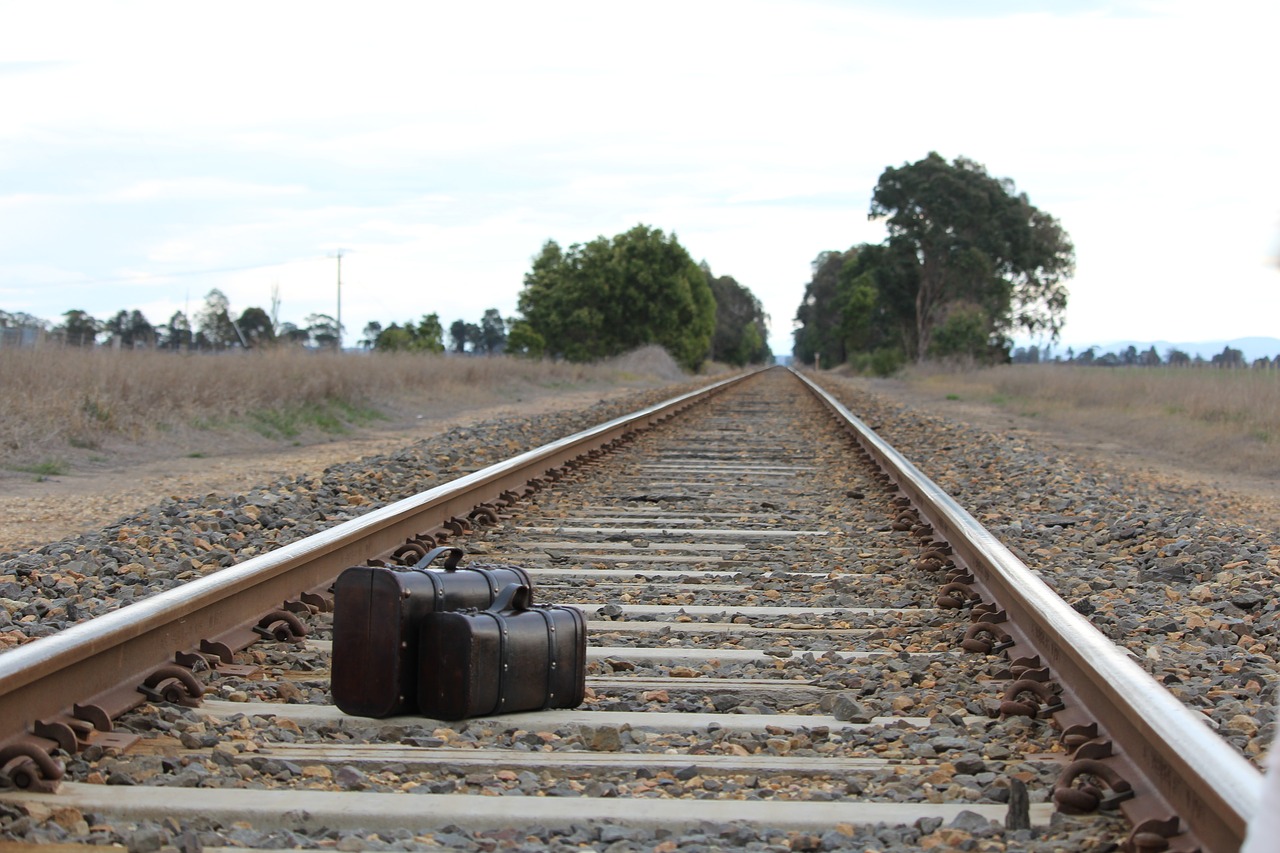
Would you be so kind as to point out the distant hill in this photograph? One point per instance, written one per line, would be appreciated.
(1251, 347)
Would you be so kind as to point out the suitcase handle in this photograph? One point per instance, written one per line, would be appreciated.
(450, 565)
(514, 597)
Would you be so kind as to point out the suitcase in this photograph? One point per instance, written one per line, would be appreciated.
(510, 657)
(377, 614)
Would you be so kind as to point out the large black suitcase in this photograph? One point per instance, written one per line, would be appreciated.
(513, 656)
(377, 615)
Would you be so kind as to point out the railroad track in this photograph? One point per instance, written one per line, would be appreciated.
(795, 639)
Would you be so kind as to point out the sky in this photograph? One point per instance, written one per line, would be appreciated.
(151, 152)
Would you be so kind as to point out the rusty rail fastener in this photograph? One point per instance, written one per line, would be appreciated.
(1088, 797)
(956, 595)
(27, 765)
(1013, 705)
(173, 684)
(973, 643)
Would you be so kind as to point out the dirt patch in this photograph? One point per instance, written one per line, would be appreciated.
(34, 511)
(1248, 499)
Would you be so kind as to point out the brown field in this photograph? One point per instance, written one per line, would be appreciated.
(65, 408)
(1219, 422)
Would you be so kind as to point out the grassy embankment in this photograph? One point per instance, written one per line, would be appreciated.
(67, 406)
(1225, 421)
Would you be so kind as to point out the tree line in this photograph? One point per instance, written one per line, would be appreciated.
(211, 328)
(1230, 358)
(583, 303)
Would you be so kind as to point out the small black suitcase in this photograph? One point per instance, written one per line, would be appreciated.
(513, 656)
(377, 614)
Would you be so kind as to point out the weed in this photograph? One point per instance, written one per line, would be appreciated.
(43, 470)
(953, 396)
(196, 454)
(96, 411)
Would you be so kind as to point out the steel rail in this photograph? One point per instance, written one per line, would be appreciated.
(48, 676)
(1196, 776)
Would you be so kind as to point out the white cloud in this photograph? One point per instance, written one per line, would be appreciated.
(441, 145)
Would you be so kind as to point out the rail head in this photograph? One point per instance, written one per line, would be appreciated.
(1195, 774)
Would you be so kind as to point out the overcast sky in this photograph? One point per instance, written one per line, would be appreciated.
(150, 152)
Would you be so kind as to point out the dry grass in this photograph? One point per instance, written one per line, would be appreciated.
(1221, 420)
(66, 403)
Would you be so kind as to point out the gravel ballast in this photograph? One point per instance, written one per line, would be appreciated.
(1191, 596)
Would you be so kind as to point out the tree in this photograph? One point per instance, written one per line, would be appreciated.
(1229, 357)
(291, 334)
(256, 328)
(493, 332)
(974, 240)
(523, 340)
(742, 327)
(462, 333)
(78, 328)
(817, 331)
(213, 322)
(176, 334)
(1027, 355)
(428, 335)
(610, 296)
(371, 331)
(129, 330)
(394, 338)
(458, 335)
(117, 331)
(323, 330)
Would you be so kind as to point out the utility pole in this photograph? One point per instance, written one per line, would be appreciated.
(339, 317)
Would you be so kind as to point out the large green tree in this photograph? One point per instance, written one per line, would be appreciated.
(613, 295)
(742, 328)
(818, 336)
(985, 258)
